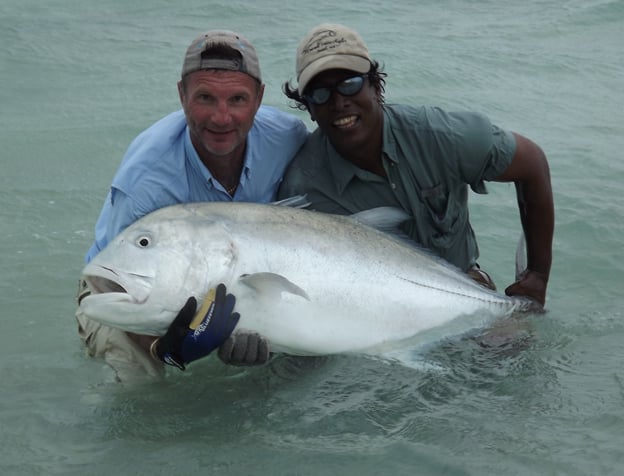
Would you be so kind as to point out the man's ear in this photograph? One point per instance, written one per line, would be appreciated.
(181, 91)
(260, 95)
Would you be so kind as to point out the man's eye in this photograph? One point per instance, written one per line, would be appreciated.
(239, 99)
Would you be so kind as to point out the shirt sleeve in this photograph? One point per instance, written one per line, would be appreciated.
(123, 212)
(483, 151)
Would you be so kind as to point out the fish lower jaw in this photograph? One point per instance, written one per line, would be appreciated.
(99, 285)
(111, 298)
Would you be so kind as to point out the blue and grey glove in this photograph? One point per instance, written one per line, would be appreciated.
(190, 338)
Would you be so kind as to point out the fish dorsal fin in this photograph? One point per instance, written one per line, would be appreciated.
(388, 221)
(272, 285)
(296, 201)
(385, 219)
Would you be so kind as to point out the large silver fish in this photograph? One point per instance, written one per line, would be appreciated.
(312, 283)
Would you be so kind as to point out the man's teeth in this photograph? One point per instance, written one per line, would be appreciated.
(345, 121)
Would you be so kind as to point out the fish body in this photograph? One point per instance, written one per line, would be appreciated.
(311, 283)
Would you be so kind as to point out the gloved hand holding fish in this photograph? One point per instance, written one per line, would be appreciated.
(310, 283)
(193, 335)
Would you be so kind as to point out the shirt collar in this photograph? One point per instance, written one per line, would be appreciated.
(344, 171)
(389, 144)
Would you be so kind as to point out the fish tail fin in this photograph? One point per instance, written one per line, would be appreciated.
(521, 257)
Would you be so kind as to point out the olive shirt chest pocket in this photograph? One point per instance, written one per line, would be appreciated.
(442, 210)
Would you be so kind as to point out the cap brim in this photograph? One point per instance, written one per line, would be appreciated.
(349, 62)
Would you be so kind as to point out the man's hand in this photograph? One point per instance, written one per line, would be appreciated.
(531, 284)
(245, 348)
(190, 338)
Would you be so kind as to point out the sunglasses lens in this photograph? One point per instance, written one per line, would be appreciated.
(351, 86)
(348, 87)
(320, 95)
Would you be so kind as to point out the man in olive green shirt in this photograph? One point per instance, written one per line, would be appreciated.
(367, 154)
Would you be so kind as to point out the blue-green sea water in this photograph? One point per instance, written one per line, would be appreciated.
(79, 79)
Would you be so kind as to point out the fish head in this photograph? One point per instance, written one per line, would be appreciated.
(144, 276)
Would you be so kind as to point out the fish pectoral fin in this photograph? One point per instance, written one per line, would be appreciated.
(272, 285)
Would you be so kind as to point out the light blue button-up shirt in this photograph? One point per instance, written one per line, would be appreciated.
(161, 168)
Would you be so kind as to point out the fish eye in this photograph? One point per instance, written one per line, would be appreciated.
(143, 241)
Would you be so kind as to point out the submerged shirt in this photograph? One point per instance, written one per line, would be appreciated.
(430, 157)
(161, 168)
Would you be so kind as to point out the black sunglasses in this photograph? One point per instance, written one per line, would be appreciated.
(347, 87)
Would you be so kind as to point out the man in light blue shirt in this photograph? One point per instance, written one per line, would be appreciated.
(223, 146)
(162, 168)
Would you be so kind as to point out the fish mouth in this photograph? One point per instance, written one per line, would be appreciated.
(126, 286)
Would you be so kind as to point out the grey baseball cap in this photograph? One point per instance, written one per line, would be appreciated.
(248, 63)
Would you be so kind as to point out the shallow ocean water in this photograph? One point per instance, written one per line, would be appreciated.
(81, 79)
